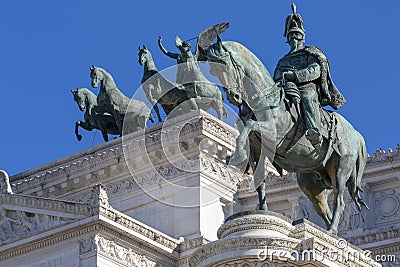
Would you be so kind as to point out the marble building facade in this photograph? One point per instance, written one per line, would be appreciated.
(153, 198)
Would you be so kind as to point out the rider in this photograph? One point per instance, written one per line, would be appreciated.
(187, 65)
(306, 70)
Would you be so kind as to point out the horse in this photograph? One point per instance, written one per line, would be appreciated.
(201, 92)
(338, 164)
(111, 100)
(157, 88)
(104, 122)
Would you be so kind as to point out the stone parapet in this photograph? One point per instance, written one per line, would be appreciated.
(260, 238)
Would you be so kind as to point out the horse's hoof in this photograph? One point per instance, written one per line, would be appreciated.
(79, 137)
(263, 207)
(332, 231)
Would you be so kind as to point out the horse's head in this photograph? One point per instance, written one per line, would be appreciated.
(79, 98)
(144, 55)
(96, 75)
(223, 66)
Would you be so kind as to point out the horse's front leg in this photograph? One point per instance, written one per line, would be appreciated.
(154, 103)
(262, 200)
(118, 120)
(155, 107)
(240, 154)
(85, 125)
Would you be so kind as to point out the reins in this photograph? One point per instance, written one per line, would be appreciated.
(238, 70)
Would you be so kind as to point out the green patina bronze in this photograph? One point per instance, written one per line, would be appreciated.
(284, 121)
(111, 100)
(282, 116)
(159, 90)
(94, 118)
(199, 90)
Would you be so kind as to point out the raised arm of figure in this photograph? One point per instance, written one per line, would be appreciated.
(170, 54)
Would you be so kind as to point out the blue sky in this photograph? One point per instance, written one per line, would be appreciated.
(47, 47)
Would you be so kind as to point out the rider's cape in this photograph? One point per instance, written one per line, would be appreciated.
(329, 94)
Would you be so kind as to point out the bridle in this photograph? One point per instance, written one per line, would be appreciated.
(238, 72)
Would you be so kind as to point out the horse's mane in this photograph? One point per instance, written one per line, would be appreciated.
(110, 79)
(92, 96)
(248, 60)
(254, 70)
(105, 72)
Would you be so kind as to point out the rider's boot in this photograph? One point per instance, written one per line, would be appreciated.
(315, 138)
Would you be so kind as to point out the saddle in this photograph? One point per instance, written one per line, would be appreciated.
(327, 129)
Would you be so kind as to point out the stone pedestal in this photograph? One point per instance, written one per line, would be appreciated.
(262, 238)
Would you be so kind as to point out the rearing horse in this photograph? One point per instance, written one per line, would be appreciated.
(249, 85)
(111, 100)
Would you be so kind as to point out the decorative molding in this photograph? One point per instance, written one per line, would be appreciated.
(5, 186)
(46, 243)
(192, 243)
(255, 221)
(97, 197)
(380, 156)
(126, 256)
(219, 171)
(386, 206)
(138, 227)
(47, 204)
(240, 243)
(377, 236)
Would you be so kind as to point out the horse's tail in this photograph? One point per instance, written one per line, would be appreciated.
(355, 184)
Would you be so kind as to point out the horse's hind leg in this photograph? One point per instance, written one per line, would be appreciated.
(344, 171)
(119, 121)
(317, 194)
(156, 109)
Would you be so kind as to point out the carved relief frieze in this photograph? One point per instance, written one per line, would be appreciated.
(387, 206)
(220, 171)
(17, 224)
(192, 243)
(87, 245)
(127, 256)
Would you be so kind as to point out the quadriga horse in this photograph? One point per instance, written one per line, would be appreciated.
(104, 122)
(112, 100)
(159, 90)
(249, 85)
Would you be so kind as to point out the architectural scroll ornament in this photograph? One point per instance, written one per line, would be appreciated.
(98, 196)
(5, 186)
(126, 255)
